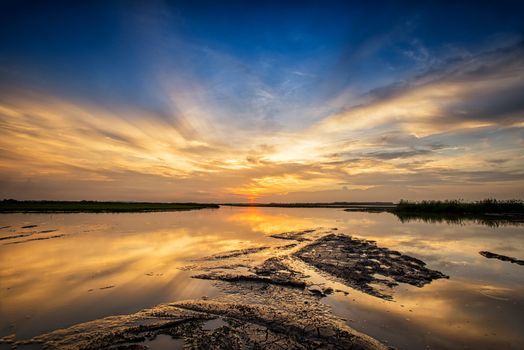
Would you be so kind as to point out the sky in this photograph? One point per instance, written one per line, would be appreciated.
(261, 101)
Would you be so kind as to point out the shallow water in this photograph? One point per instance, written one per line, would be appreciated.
(106, 264)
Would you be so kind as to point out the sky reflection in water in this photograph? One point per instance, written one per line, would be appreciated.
(109, 264)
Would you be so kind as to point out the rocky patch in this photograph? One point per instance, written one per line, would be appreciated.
(272, 271)
(293, 236)
(241, 326)
(236, 253)
(29, 226)
(491, 255)
(35, 239)
(360, 264)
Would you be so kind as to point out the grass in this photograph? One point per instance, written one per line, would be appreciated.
(490, 212)
(14, 206)
(463, 219)
(482, 207)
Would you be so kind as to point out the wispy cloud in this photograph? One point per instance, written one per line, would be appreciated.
(456, 129)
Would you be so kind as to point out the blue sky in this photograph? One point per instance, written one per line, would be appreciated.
(251, 81)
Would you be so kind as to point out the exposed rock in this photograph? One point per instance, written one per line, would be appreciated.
(358, 262)
(15, 236)
(294, 236)
(26, 234)
(491, 255)
(235, 253)
(250, 278)
(8, 339)
(316, 290)
(287, 246)
(273, 271)
(253, 326)
(29, 226)
(35, 239)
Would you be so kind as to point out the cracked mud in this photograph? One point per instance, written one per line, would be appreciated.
(240, 326)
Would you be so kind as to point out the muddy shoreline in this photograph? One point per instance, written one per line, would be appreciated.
(268, 299)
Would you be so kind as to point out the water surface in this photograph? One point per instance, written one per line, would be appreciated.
(96, 265)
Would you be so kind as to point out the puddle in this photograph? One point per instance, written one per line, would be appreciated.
(211, 325)
(164, 342)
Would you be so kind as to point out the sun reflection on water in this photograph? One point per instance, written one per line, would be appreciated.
(107, 264)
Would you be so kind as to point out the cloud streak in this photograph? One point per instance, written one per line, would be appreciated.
(455, 130)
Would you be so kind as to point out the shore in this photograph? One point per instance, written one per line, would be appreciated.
(489, 211)
(14, 206)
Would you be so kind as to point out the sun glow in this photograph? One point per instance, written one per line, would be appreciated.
(425, 133)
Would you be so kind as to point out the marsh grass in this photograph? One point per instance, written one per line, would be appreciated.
(489, 212)
(14, 206)
(482, 207)
(464, 219)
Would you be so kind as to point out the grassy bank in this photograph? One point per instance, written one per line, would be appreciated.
(490, 212)
(492, 220)
(14, 206)
(483, 207)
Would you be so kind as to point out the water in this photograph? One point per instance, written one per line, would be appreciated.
(108, 264)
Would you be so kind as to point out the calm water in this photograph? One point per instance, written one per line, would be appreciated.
(107, 264)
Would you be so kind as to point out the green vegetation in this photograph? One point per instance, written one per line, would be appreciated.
(490, 212)
(483, 207)
(493, 220)
(14, 206)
